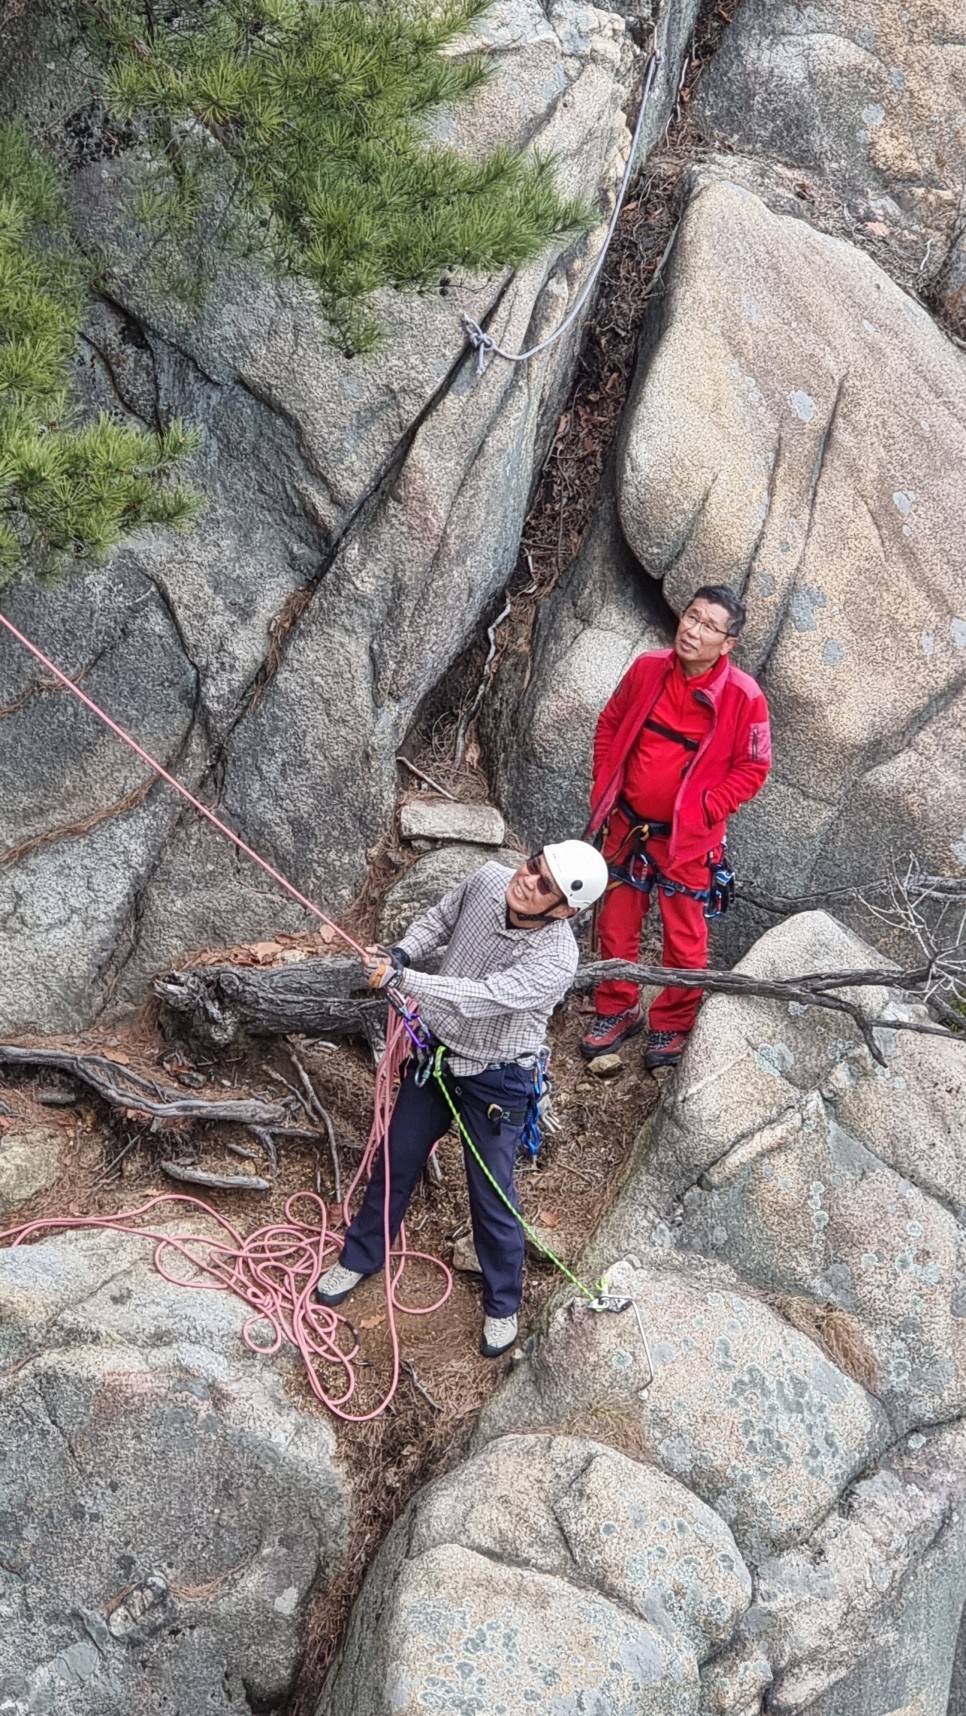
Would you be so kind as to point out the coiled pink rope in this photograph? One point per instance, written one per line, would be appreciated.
(274, 1269)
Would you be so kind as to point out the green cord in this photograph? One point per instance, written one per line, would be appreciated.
(528, 1230)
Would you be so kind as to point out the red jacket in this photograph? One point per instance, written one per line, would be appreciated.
(729, 766)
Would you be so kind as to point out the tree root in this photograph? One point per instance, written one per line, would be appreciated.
(221, 1182)
(123, 1088)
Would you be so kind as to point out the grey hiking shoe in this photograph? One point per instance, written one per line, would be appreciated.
(335, 1285)
(499, 1333)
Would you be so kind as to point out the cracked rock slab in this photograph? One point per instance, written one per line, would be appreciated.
(820, 1214)
(164, 1510)
(863, 1575)
(440, 819)
(871, 97)
(745, 1410)
(465, 1635)
(548, 1573)
(786, 1153)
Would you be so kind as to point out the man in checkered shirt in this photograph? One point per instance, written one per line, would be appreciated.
(509, 956)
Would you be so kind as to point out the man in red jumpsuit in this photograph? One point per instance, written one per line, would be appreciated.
(682, 743)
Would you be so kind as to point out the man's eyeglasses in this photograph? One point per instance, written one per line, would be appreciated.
(696, 622)
(534, 868)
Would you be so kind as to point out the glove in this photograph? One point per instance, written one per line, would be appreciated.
(387, 968)
(381, 975)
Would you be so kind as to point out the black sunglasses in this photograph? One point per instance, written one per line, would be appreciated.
(544, 884)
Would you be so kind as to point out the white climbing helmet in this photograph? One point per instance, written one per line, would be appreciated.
(578, 870)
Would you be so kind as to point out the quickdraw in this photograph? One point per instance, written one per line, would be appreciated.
(539, 1113)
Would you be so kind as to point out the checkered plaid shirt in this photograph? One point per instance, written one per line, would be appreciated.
(496, 987)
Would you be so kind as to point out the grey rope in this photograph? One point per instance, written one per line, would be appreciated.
(483, 344)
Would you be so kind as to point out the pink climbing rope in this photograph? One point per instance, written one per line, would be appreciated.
(274, 1269)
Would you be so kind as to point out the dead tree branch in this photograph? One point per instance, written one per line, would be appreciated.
(811, 990)
(785, 905)
(315, 1108)
(313, 998)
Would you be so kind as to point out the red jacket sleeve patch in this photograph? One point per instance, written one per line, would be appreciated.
(759, 742)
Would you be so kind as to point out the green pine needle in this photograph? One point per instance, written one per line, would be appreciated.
(66, 489)
(306, 119)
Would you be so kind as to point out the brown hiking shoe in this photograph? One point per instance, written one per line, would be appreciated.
(608, 1032)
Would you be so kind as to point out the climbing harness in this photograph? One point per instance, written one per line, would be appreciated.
(483, 343)
(634, 866)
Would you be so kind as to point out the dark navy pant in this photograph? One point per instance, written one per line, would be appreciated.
(420, 1117)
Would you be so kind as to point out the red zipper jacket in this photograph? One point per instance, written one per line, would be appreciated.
(728, 768)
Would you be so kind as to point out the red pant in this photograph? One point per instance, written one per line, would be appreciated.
(685, 933)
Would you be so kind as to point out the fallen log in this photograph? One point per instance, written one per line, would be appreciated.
(313, 998)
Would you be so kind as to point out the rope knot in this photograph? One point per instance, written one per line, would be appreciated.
(481, 342)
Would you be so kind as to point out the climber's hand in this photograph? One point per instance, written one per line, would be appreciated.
(381, 968)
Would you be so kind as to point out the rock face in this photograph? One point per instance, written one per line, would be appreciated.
(794, 432)
(429, 879)
(797, 1267)
(739, 1400)
(351, 539)
(165, 1509)
(30, 1161)
(870, 97)
(881, 1571)
(642, 1582)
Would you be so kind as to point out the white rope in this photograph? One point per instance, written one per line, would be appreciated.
(483, 343)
